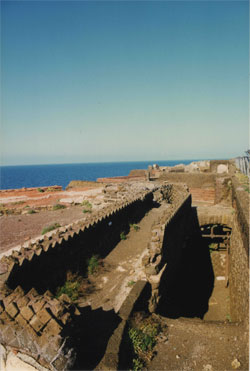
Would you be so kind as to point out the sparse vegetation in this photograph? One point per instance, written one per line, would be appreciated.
(58, 207)
(123, 236)
(143, 338)
(135, 227)
(87, 211)
(212, 247)
(87, 206)
(69, 288)
(50, 228)
(51, 189)
(40, 190)
(31, 211)
(93, 264)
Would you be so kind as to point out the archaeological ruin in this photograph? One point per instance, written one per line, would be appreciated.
(172, 244)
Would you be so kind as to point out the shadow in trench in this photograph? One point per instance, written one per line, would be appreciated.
(91, 335)
(188, 283)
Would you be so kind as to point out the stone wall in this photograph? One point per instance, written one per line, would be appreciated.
(239, 255)
(192, 180)
(31, 318)
(168, 235)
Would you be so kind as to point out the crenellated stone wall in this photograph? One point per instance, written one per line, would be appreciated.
(31, 317)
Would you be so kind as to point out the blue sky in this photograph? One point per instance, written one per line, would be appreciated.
(120, 81)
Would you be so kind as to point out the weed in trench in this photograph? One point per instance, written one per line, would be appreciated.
(138, 364)
(143, 338)
(135, 227)
(212, 247)
(69, 288)
(123, 236)
(93, 264)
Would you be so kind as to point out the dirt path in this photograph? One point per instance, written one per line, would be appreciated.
(123, 266)
(195, 345)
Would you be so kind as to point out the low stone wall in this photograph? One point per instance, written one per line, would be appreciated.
(192, 180)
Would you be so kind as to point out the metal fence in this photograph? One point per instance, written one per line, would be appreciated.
(243, 164)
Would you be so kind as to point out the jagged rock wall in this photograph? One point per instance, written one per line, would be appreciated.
(160, 246)
(31, 318)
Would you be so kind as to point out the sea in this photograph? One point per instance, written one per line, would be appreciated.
(14, 177)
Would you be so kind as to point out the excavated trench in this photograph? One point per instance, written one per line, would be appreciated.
(198, 285)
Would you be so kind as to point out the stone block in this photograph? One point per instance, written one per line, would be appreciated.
(44, 316)
(12, 310)
(56, 308)
(66, 318)
(65, 298)
(1, 306)
(5, 318)
(32, 294)
(27, 313)
(37, 305)
(8, 299)
(36, 323)
(22, 322)
(22, 301)
(52, 328)
(18, 291)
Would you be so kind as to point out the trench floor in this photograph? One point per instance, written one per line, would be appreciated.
(194, 345)
(219, 303)
(122, 267)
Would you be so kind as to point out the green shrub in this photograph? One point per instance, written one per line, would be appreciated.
(123, 236)
(87, 206)
(138, 364)
(58, 207)
(87, 211)
(135, 227)
(143, 338)
(40, 190)
(93, 264)
(31, 211)
(69, 288)
(50, 228)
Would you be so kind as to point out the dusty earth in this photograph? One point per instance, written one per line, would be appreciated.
(24, 213)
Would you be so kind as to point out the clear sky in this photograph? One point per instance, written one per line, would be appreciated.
(100, 81)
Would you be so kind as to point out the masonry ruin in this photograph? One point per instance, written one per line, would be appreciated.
(199, 238)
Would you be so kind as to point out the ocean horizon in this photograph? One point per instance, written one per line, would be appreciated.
(27, 176)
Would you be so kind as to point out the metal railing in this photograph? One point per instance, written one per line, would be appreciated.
(243, 164)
